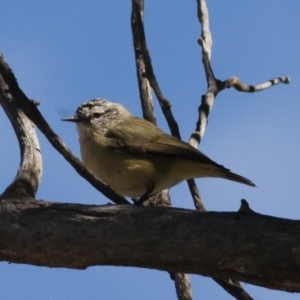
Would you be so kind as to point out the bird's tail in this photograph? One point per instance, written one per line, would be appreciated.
(235, 177)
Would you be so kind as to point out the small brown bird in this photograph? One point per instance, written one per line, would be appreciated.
(133, 156)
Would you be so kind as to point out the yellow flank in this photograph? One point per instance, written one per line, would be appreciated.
(132, 175)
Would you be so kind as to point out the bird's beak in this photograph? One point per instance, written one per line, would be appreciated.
(72, 119)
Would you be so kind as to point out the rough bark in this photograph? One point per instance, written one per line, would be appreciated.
(249, 247)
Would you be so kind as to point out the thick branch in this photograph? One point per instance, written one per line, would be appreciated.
(257, 249)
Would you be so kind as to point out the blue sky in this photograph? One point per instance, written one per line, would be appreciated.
(67, 52)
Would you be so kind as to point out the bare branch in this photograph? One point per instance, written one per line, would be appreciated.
(242, 87)
(183, 286)
(78, 236)
(208, 99)
(234, 288)
(143, 58)
(19, 99)
(143, 83)
(198, 203)
(215, 85)
(28, 176)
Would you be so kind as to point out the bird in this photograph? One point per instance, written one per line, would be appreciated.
(133, 156)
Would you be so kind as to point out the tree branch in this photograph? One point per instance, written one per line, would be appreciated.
(208, 99)
(17, 98)
(78, 236)
(243, 87)
(143, 82)
(28, 176)
(144, 64)
(183, 286)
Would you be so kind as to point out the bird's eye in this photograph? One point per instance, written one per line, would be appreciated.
(96, 115)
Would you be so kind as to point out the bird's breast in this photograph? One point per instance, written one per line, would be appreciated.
(128, 174)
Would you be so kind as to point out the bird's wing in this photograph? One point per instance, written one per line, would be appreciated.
(138, 138)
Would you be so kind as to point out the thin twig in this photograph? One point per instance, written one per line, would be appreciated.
(234, 288)
(198, 203)
(143, 82)
(236, 83)
(31, 111)
(143, 57)
(208, 99)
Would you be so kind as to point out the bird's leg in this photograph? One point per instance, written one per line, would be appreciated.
(144, 197)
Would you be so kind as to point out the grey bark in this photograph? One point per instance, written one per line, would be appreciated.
(245, 246)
